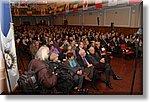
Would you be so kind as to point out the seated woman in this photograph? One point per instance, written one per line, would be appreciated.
(65, 81)
(69, 50)
(46, 79)
(53, 49)
(77, 71)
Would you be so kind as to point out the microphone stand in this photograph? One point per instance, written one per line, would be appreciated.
(135, 64)
(139, 33)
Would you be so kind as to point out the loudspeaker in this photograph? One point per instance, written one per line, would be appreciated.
(98, 21)
(65, 22)
(112, 25)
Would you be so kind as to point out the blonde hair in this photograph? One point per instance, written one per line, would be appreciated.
(53, 56)
(42, 53)
(97, 43)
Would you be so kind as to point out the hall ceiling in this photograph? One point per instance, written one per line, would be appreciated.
(49, 1)
(53, 7)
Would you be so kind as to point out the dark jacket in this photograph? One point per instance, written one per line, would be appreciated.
(94, 58)
(44, 75)
(77, 52)
(104, 43)
(83, 63)
(98, 50)
(113, 43)
(75, 69)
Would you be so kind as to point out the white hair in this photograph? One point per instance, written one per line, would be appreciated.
(81, 50)
(42, 53)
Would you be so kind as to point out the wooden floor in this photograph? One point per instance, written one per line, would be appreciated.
(123, 68)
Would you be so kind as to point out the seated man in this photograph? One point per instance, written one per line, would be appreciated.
(81, 46)
(102, 65)
(84, 61)
(115, 47)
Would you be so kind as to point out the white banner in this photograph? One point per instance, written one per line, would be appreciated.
(9, 51)
(112, 2)
(122, 1)
(8, 44)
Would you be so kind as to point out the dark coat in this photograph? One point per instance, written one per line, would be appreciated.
(113, 43)
(98, 50)
(78, 78)
(77, 52)
(83, 63)
(44, 75)
(95, 58)
(73, 70)
(104, 43)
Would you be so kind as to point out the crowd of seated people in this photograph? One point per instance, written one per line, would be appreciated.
(86, 51)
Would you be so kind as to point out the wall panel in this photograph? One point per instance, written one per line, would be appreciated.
(73, 19)
(58, 20)
(90, 18)
(119, 16)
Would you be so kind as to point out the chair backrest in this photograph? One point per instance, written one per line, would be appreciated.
(123, 46)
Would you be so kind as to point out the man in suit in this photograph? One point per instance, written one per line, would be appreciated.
(115, 47)
(81, 46)
(103, 41)
(102, 65)
(85, 62)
